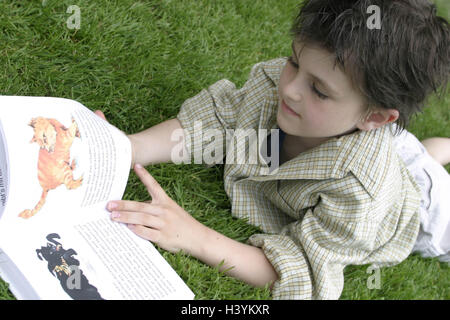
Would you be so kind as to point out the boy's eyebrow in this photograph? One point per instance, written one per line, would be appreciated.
(326, 85)
(319, 80)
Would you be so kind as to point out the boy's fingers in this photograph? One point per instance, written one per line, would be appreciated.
(146, 233)
(153, 187)
(138, 218)
(135, 206)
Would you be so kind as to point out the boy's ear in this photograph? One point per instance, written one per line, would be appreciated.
(378, 118)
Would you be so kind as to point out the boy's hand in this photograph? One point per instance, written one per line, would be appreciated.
(160, 220)
(102, 115)
(165, 223)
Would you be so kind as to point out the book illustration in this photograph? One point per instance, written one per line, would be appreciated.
(54, 167)
(65, 268)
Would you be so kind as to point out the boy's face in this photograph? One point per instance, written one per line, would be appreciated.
(316, 99)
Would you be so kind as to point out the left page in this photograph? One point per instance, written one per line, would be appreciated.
(89, 165)
(89, 162)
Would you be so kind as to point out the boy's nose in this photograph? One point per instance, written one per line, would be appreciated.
(292, 91)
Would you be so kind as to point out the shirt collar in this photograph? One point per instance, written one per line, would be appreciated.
(362, 153)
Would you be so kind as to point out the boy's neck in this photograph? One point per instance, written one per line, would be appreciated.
(294, 145)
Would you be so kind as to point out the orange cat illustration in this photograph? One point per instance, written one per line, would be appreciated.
(54, 169)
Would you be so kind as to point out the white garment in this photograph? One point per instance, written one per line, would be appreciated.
(434, 181)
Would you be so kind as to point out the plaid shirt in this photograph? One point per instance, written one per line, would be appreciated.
(348, 201)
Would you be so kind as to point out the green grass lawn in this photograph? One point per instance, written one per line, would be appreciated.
(138, 61)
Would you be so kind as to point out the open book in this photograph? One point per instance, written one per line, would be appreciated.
(59, 166)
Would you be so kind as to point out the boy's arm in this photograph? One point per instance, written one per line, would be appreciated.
(241, 261)
(154, 145)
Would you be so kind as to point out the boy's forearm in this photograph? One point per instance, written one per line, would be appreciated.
(154, 145)
(241, 261)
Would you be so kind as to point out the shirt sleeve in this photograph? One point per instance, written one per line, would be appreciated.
(208, 116)
(310, 255)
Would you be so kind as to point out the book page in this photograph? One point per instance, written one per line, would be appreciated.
(4, 173)
(94, 258)
(61, 158)
(59, 153)
(65, 163)
(56, 264)
(151, 276)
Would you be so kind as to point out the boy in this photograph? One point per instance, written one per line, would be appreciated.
(341, 195)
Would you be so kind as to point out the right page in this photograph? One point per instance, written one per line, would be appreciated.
(62, 164)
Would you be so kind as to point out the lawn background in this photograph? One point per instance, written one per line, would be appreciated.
(138, 61)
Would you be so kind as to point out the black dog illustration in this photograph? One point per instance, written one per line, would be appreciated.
(64, 267)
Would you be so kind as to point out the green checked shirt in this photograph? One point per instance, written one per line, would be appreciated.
(349, 201)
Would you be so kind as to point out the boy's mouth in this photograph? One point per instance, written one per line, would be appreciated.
(288, 110)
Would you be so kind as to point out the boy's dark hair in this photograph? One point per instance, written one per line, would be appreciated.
(395, 66)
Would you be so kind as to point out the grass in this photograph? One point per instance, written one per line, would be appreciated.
(138, 61)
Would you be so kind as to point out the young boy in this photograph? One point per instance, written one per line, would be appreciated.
(341, 195)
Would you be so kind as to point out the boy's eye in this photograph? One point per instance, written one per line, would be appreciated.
(318, 93)
(291, 61)
(313, 87)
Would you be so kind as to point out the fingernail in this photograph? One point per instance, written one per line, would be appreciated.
(138, 166)
(115, 214)
(112, 205)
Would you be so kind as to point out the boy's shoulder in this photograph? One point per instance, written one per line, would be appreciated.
(371, 157)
